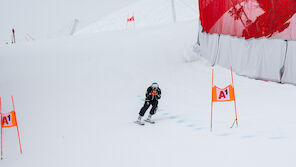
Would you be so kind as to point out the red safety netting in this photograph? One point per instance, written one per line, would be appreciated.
(249, 18)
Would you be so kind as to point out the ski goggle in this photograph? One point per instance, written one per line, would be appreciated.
(154, 85)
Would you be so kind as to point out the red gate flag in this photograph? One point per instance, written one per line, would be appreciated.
(131, 19)
(8, 120)
(249, 18)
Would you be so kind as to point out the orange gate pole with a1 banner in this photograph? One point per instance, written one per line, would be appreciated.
(130, 19)
(223, 95)
(9, 120)
(17, 127)
(234, 100)
(1, 129)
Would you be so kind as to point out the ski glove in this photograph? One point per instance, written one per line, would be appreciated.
(147, 102)
(158, 96)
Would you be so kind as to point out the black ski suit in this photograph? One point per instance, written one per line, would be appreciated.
(152, 96)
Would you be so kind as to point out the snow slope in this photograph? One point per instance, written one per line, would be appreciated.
(147, 13)
(51, 18)
(76, 100)
(77, 97)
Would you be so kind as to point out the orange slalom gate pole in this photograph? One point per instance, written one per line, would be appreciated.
(212, 99)
(13, 103)
(211, 115)
(126, 25)
(1, 130)
(18, 132)
(231, 75)
(134, 21)
(234, 98)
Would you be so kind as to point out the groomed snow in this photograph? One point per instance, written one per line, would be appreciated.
(51, 18)
(76, 99)
(147, 13)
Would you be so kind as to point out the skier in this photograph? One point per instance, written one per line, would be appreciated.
(152, 95)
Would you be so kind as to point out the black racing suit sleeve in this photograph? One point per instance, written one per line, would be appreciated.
(149, 94)
(158, 94)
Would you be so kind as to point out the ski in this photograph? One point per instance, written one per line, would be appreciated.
(140, 123)
(149, 121)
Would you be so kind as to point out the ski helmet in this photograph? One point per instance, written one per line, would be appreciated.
(154, 85)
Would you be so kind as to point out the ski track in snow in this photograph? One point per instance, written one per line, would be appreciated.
(164, 115)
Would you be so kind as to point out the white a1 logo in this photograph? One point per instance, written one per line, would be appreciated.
(223, 94)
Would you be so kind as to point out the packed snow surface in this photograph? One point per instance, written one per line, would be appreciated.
(52, 18)
(76, 99)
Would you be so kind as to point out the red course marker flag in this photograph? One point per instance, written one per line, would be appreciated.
(131, 19)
